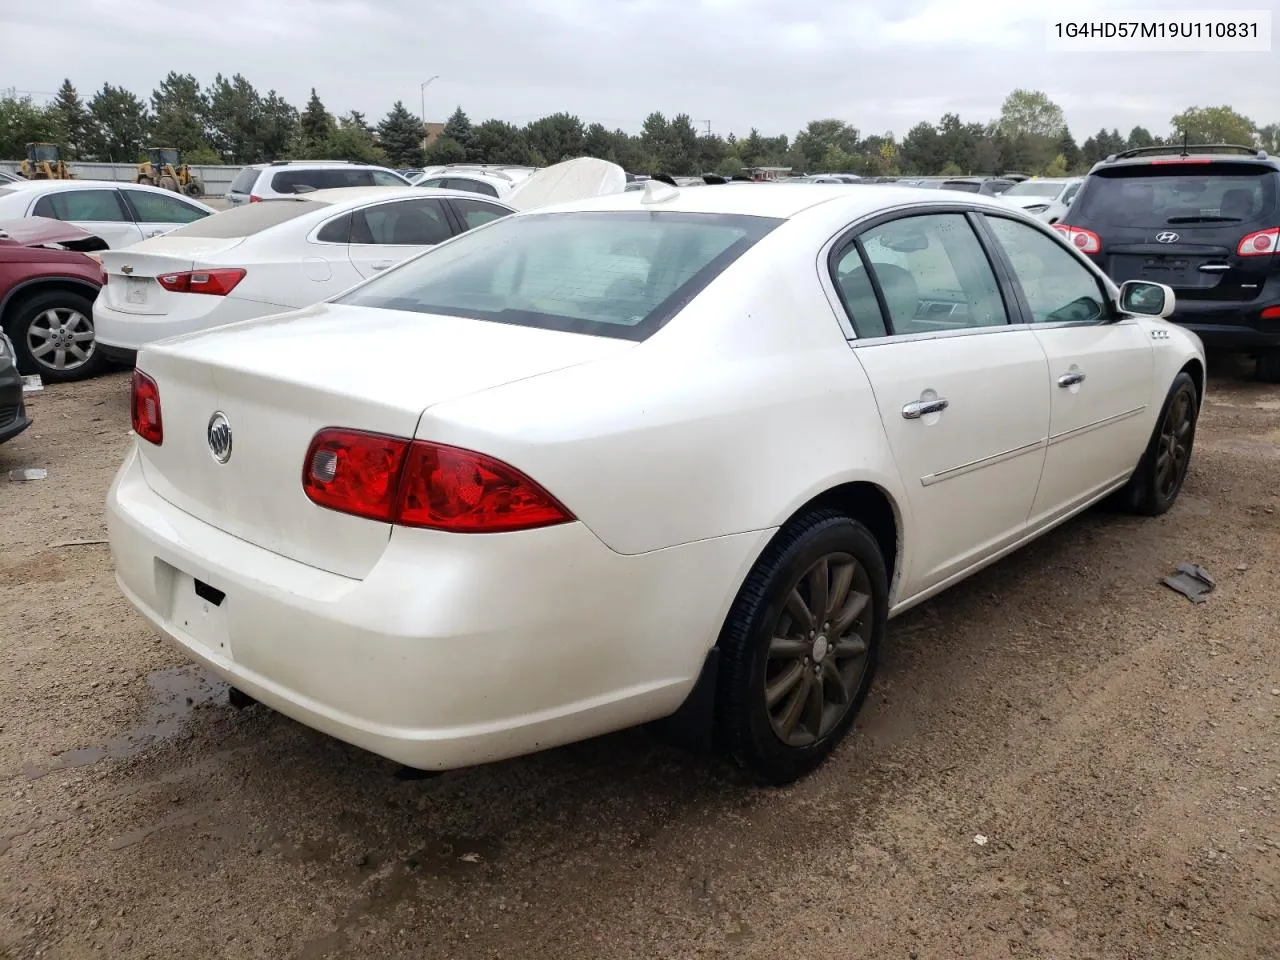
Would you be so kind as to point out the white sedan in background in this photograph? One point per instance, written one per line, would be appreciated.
(120, 213)
(673, 454)
(1045, 198)
(292, 252)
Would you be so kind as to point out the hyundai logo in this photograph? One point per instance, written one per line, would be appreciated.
(219, 436)
(1167, 237)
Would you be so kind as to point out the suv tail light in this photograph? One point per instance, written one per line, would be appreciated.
(1086, 241)
(216, 282)
(414, 483)
(254, 198)
(144, 408)
(1260, 244)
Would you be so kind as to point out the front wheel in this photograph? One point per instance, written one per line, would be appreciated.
(53, 335)
(800, 645)
(1156, 483)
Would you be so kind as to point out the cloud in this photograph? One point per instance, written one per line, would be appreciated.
(879, 64)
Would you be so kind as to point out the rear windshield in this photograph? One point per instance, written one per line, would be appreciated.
(244, 180)
(288, 181)
(1034, 188)
(1160, 195)
(247, 220)
(612, 274)
(968, 186)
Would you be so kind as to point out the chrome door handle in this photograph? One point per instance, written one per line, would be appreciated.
(1070, 379)
(382, 264)
(914, 411)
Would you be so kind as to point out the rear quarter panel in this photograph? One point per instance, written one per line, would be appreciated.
(744, 407)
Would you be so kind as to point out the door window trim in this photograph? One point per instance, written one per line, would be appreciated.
(125, 212)
(833, 249)
(1110, 313)
(132, 211)
(459, 219)
(445, 214)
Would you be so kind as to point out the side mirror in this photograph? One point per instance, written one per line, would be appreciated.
(1146, 299)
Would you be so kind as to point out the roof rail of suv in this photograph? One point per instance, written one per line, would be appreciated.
(1185, 150)
(285, 163)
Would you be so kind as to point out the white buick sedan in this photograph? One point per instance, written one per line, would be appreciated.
(662, 454)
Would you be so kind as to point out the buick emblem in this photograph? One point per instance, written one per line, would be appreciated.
(219, 435)
(1167, 237)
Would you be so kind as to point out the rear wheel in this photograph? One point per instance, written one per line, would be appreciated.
(168, 183)
(146, 181)
(53, 335)
(800, 645)
(1269, 366)
(1156, 483)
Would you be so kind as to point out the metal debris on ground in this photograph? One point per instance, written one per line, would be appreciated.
(32, 383)
(28, 473)
(76, 543)
(1192, 582)
(980, 840)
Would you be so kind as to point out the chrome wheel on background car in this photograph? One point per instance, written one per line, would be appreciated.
(53, 335)
(799, 648)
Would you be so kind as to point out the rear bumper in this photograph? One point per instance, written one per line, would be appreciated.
(13, 411)
(455, 650)
(123, 334)
(1233, 325)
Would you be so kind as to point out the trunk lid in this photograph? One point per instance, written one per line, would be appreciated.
(1180, 224)
(278, 381)
(131, 285)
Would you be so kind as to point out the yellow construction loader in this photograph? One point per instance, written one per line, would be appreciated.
(164, 168)
(44, 163)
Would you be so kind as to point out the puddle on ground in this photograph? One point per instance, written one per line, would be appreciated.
(177, 691)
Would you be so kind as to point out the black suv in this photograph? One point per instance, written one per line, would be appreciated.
(1204, 220)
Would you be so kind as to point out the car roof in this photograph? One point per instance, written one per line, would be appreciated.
(1192, 153)
(51, 186)
(338, 197)
(779, 200)
(323, 164)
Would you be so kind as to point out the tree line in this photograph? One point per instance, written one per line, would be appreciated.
(230, 121)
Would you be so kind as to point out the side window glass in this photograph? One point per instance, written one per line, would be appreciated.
(1057, 287)
(157, 208)
(337, 230)
(473, 186)
(407, 223)
(383, 179)
(934, 275)
(1070, 193)
(853, 283)
(475, 212)
(98, 206)
(436, 182)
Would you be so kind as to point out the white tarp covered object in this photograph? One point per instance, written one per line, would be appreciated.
(570, 180)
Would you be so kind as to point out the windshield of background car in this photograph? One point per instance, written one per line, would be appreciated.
(328, 178)
(248, 220)
(1179, 193)
(244, 180)
(1034, 188)
(616, 274)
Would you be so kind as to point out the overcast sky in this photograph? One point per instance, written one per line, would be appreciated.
(773, 64)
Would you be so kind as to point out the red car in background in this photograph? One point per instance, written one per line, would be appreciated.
(48, 282)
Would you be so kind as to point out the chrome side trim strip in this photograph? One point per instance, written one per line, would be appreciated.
(931, 479)
(1087, 428)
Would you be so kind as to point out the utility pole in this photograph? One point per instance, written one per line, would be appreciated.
(422, 91)
(708, 123)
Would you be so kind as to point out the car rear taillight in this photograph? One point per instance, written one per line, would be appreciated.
(414, 483)
(102, 271)
(144, 408)
(1259, 244)
(254, 198)
(1086, 241)
(218, 283)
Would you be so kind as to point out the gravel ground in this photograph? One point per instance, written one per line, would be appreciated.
(1061, 759)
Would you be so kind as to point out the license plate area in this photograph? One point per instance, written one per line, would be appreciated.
(1177, 272)
(135, 290)
(198, 612)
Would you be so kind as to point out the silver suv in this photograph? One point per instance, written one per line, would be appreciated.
(283, 178)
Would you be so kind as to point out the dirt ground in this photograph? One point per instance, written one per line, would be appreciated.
(1062, 759)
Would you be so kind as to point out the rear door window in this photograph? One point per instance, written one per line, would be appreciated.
(157, 208)
(97, 206)
(329, 178)
(408, 223)
(1179, 194)
(472, 186)
(472, 213)
(244, 181)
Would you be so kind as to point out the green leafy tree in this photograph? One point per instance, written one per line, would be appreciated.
(445, 150)
(922, 149)
(353, 140)
(316, 127)
(1139, 137)
(1069, 150)
(277, 127)
(1057, 167)
(120, 125)
(1269, 138)
(236, 119)
(496, 141)
(820, 136)
(203, 154)
(71, 119)
(711, 152)
(1031, 112)
(458, 128)
(1214, 125)
(557, 137)
(22, 122)
(181, 112)
(400, 134)
(730, 166)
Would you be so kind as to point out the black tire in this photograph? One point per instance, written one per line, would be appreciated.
(1150, 492)
(194, 188)
(747, 728)
(1269, 366)
(146, 181)
(33, 312)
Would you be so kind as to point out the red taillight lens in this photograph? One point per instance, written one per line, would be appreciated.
(217, 283)
(1259, 244)
(144, 408)
(420, 484)
(1271, 313)
(254, 198)
(1086, 241)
